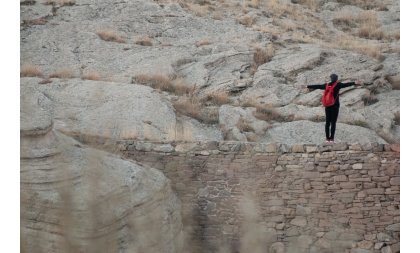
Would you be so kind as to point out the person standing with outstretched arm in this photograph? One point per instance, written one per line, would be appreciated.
(331, 102)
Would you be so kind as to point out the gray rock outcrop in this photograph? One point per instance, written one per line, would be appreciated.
(79, 199)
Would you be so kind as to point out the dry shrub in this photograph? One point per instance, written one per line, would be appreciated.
(262, 56)
(110, 35)
(370, 27)
(29, 70)
(369, 99)
(45, 81)
(218, 98)
(161, 82)
(367, 5)
(196, 9)
(37, 21)
(91, 75)
(62, 73)
(191, 108)
(181, 87)
(254, 4)
(202, 43)
(371, 49)
(156, 81)
(311, 4)
(244, 126)
(60, 2)
(247, 20)
(143, 41)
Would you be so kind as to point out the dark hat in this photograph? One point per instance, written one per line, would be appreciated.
(334, 78)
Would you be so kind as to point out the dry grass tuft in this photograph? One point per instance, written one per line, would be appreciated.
(369, 99)
(62, 73)
(29, 70)
(143, 41)
(91, 75)
(110, 35)
(244, 126)
(45, 81)
(202, 43)
(37, 21)
(371, 49)
(192, 108)
(218, 98)
(262, 56)
(161, 82)
(60, 2)
(247, 20)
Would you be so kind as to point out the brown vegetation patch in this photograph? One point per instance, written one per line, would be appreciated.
(144, 41)
(244, 126)
(191, 107)
(60, 2)
(266, 112)
(161, 82)
(247, 20)
(369, 99)
(366, 5)
(110, 35)
(37, 21)
(263, 55)
(29, 70)
(218, 98)
(202, 43)
(45, 81)
(91, 75)
(62, 73)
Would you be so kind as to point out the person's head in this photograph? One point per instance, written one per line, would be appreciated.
(334, 78)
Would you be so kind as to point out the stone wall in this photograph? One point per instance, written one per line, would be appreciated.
(250, 197)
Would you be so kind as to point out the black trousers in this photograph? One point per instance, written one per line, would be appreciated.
(331, 115)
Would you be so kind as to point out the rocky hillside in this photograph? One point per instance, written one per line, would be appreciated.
(213, 70)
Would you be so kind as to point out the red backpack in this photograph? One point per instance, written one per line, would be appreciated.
(328, 98)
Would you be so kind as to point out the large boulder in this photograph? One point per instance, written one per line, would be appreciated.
(117, 111)
(79, 199)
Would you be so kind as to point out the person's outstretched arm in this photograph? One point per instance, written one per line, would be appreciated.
(316, 87)
(345, 85)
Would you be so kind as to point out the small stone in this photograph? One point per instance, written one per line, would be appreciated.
(311, 149)
(359, 250)
(165, 148)
(393, 227)
(395, 181)
(280, 226)
(365, 244)
(303, 211)
(277, 247)
(383, 237)
(386, 249)
(299, 221)
(340, 178)
(379, 245)
(357, 166)
(279, 168)
(298, 148)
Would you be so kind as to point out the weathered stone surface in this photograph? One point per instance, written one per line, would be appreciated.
(393, 227)
(92, 200)
(310, 132)
(299, 221)
(358, 250)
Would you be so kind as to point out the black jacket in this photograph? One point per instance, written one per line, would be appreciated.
(337, 88)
